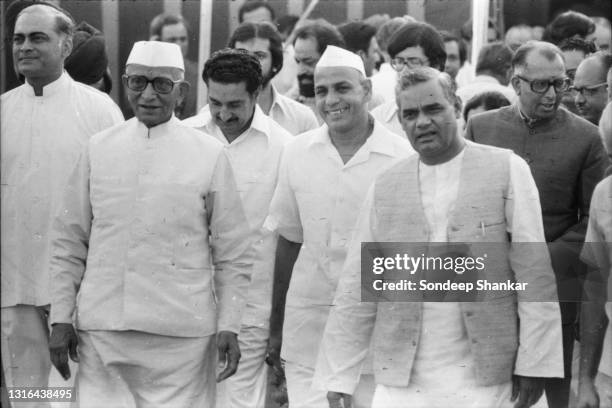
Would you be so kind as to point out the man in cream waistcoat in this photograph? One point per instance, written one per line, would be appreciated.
(149, 209)
(441, 354)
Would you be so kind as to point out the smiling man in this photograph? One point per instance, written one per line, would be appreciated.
(446, 354)
(254, 142)
(324, 175)
(151, 205)
(45, 124)
(567, 160)
(264, 41)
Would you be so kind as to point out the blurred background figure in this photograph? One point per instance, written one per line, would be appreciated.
(360, 38)
(383, 82)
(602, 36)
(483, 102)
(174, 29)
(575, 50)
(567, 25)
(590, 86)
(88, 62)
(518, 35)
(492, 73)
(466, 73)
(456, 53)
(256, 11)
(285, 78)
(310, 42)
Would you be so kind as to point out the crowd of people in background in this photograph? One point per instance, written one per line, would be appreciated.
(212, 256)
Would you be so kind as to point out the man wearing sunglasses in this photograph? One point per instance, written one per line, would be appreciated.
(151, 205)
(590, 87)
(567, 160)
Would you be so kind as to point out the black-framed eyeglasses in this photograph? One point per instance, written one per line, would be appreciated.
(139, 83)
(542, 85)
(589, 90)
(398, 63)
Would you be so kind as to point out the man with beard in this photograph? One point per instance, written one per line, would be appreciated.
(310, 42)
(567, 160)
(254, 143)
(264, 41)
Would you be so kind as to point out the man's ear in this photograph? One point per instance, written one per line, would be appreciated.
(66, 46)
(516, 84)
(184, 89)
(458, 106)
(367, 88)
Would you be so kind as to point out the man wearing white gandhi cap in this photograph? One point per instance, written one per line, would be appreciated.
(149, 207)
(323, 178)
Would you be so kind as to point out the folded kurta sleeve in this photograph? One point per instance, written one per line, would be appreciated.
(231, 245)
(70, 242)
(540, 352)
(346, 339)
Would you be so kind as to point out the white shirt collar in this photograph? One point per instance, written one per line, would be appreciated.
(51, 88)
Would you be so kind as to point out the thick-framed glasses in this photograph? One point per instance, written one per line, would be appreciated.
(161, 85)
(398, 63)
(542, 85)
(587, 90)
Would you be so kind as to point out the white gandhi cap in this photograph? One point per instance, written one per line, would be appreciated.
(156, 54)
(339, 57)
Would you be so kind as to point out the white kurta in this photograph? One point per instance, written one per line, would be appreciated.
(291, 115)
(482, 84)
(147, 211)
(598, 252)
(316, 203)
(42, 138)
(387, 115)
(443, 363)
(255, 157)
(384, 82)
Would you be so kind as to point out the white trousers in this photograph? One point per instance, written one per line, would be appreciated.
(135, 369)
(497, 396)
(25, 348)
(302, 395)
(247, 388)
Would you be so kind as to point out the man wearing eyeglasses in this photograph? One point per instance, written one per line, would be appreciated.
(567, 160)
(151, 205)
(591, 89)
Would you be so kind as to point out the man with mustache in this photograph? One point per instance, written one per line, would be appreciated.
(264, 41)
(567, 160)
(310, 42)
(45, 124)
(254, 143)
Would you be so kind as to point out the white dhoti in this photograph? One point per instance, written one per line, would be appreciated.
(25, 348)
(247, 388)
(444, 370)
(302, 394)
(129, 368)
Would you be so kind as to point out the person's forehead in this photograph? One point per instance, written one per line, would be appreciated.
(151, 72)
(36, 20)
(540, 66)
(589, 72)
(173, 30)
(254, 44)
(573, 58)
(329, 76)
(410, 52)
(227, 91)
(423, 93)
(306, 47)
(451, 47)
(257, 15)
